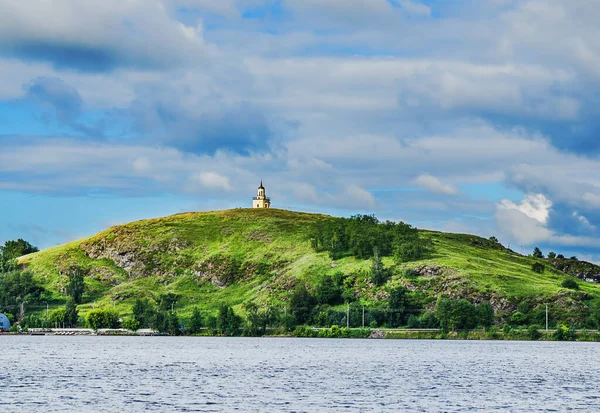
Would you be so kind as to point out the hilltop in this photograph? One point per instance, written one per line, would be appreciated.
(259, 255)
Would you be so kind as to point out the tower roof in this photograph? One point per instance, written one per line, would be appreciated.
(261, 185)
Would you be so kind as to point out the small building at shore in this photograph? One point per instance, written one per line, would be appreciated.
(4, 323)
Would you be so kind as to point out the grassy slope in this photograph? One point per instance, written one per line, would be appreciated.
(172, 249)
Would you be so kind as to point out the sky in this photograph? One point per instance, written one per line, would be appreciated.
(471, 116)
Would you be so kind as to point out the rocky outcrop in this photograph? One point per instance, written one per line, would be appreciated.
(580, 269)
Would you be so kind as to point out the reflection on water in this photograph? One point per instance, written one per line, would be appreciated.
(163, 374)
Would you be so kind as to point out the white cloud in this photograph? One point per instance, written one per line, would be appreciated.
(535, 206)
(434, 185)
(213, 180)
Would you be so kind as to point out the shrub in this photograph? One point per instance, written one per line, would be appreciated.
(413, 322)
(130, 323)
(518, 318)
(533, 332)
(570, 283)
(537, 267)
(103, 318)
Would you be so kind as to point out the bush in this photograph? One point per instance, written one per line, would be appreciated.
(537, 267)
(130, 323)
(533, 332)
(103, 318)
(570, 283)
(564, 333)
(413, 322)
(518, 318)
(304, 331)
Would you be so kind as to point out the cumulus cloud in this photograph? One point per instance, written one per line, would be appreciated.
(535, 206)
(97, 36)
(434, 185)
(213, 180)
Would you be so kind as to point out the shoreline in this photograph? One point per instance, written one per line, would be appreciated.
(517, 334)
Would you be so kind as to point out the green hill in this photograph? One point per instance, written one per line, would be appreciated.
(253, 255)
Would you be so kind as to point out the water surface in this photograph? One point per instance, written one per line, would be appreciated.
(164, 374)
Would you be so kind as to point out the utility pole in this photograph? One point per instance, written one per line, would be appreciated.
(363, 323)
(172, 305)
(348, 316)
(546, 318)
(47, 309)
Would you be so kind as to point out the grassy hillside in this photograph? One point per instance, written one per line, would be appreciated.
(242, 255)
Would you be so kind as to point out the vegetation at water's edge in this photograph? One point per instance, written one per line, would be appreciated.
(256, 272)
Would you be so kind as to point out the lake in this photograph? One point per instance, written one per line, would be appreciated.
(164, 374)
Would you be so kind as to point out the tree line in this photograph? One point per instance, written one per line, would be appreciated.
(363, 236)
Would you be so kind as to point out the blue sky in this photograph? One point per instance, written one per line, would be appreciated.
(465, 116)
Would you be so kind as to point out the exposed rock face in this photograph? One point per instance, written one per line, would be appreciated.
(136, 259)
(429, 271)
(580, 269)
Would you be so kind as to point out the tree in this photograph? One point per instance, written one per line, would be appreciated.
(396, 305)
(76, 285)
(455, 314)
(130, 324)
(494, 240)
(518, 318)
(71, 313)
(552, 255)
(143, 312)
(537, 267)
(15, 249)
(257, 319)
(228, 322)
(570, 283)
(195, 324)
(103, 318)
(379, 274)
(173, 326)
(329, 290)
(57, 317)
(537, 253)
(485, 315)
(560, 257)
(301, 304)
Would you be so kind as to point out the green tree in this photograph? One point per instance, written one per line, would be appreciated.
(518, 318)
(329, 290)
(485, 315)
(102, 318)
(396, 305)
(57, 317)
(570, 283)
(552, 255)
(143, 312)
(76, 285)
(494, 240)
(12, 250)
(537, 253)
(455, 314)
(379, 274)
(257, 319)
(228, 322)
(173, 326)
(302, 304)
(538, 267)
(71, 313)
(130, 324)
(195, 324)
